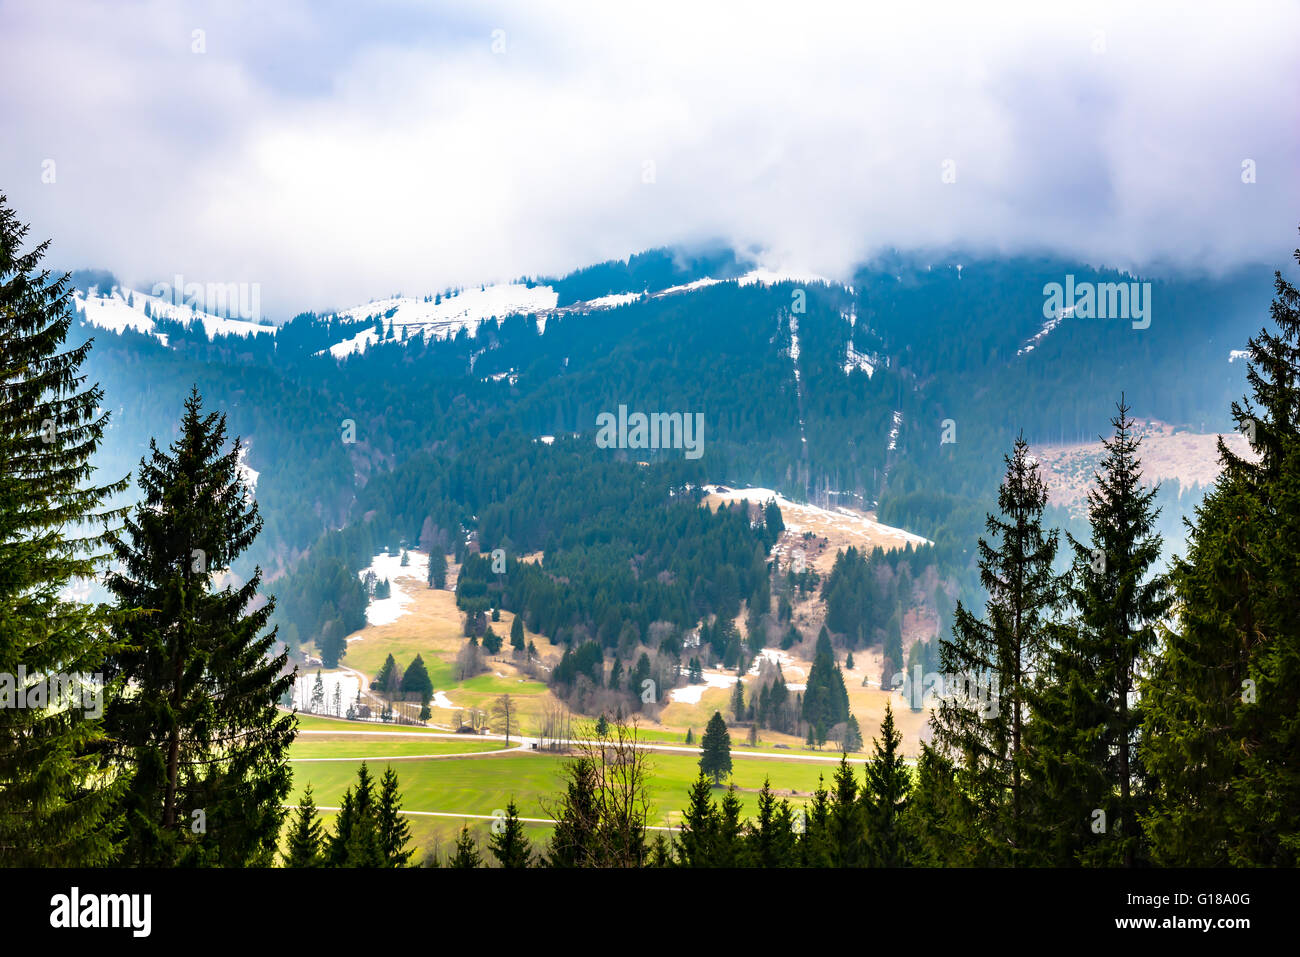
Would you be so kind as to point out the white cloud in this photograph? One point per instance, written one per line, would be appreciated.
(335, 155)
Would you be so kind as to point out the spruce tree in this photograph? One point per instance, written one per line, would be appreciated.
(770, 837)
(467, 854)
(576, 824)
(1083, 739)
(305, 835)
(938, 821)
(847, 826)
(416, 680)
(661, 852)
(826, 700)
(510, 845)
(814, 843)
(1221, 697)
(356, 841)
(715, 749)
(729, 847)
(885, 797)
(199, 721)
(984, 738)
(393, 832)
(517, 633)
(336, 844)
(387, 677)
(56, 809)
(697, 836)
(738, 701)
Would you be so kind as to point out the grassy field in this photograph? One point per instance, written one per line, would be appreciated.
(370, 747)
(311, 722)
(484, 786)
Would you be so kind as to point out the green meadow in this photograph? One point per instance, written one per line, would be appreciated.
(485, 785)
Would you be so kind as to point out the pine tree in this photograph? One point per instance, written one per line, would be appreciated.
(715, 749)
(1084, 736)
(305, 837)
(984, 738)
(1220, 701)
(885, 797)
(517, 633)
(467, 854)
(199, 722)
(509, 845)
(394, 833)
(55, 808)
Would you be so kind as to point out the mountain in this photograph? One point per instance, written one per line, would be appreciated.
(897, 392)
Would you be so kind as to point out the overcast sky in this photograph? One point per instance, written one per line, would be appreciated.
(336, 153)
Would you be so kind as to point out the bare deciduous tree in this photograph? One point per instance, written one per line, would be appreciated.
(504, 714)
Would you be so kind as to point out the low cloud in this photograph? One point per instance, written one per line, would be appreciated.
(334, 154)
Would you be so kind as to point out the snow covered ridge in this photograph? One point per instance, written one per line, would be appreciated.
(120, 310)
(443, 318)
(400, 318)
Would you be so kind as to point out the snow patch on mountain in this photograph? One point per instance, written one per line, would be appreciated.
(385, 611)
(446, 317)
(798, 517)
(858, 360)
(771, 277)
(247, 475)
(613, 301)
(121, 310)
(691, 694)
(1042, 333)
(893, 432)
